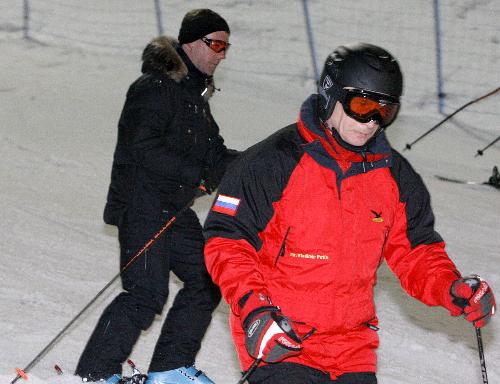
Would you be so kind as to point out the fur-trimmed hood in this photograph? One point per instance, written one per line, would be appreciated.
(161, 55)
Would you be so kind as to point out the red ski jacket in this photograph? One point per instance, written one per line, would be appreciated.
(308, 222)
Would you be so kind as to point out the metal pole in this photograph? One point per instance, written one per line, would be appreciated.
(310, 39)
(409, 145)
(26, 18)
(439, 66)
(480, 348)
(250, 371)
(481, 151)
(159, 20)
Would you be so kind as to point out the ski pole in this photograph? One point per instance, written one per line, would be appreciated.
(258, 360)
(21, 373)
(250, 370)
(408, 146)
(481, 151)
(481, 355)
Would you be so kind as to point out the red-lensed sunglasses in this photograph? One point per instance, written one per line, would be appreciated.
(364, 106)
(216, 45)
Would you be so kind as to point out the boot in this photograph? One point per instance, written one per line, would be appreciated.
(183, 375)
(494, 180)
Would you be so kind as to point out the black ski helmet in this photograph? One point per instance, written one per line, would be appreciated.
(359, 65)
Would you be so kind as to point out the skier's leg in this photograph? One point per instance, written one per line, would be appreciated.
(292, 373)
(357, 378)
(191, 312)
(110, 343)
(288, 373)
(145, 285)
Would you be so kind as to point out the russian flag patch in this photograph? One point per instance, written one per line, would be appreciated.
(226, 204)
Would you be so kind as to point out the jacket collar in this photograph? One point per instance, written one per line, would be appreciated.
(312, 130)
(164, 55)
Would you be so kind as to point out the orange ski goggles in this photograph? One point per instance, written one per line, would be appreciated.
(216, 45)
(364, 106)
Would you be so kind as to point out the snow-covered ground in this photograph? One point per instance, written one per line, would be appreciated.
(59, 108)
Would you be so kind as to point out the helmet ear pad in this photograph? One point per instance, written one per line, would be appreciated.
(328, 88)
(329, 97)
(330, 94)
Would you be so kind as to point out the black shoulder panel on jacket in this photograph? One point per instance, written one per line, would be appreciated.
(258, 178)
(284, 143)
(414, 194)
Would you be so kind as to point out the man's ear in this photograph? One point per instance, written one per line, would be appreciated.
(188, 47)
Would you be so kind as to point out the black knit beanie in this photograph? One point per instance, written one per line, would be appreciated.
(200, 22)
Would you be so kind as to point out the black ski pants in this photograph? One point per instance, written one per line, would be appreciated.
(145, 284)
(291, 373)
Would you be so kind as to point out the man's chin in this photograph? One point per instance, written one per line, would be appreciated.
(362, 138)
(358, 141)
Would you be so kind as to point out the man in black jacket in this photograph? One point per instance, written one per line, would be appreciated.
(168, 149)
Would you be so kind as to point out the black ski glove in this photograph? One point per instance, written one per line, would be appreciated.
(269, 334)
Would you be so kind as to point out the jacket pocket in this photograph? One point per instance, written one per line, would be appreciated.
(121, 191)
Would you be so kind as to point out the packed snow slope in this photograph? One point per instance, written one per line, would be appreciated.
(60, 102)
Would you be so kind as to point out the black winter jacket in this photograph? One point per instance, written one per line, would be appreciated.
(168, 140)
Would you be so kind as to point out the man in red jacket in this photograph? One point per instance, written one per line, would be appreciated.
(303, 220)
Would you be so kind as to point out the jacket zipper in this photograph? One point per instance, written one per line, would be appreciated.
(282, 248)
(373, 327)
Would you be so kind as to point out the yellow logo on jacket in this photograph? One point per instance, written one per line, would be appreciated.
(378, 217)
